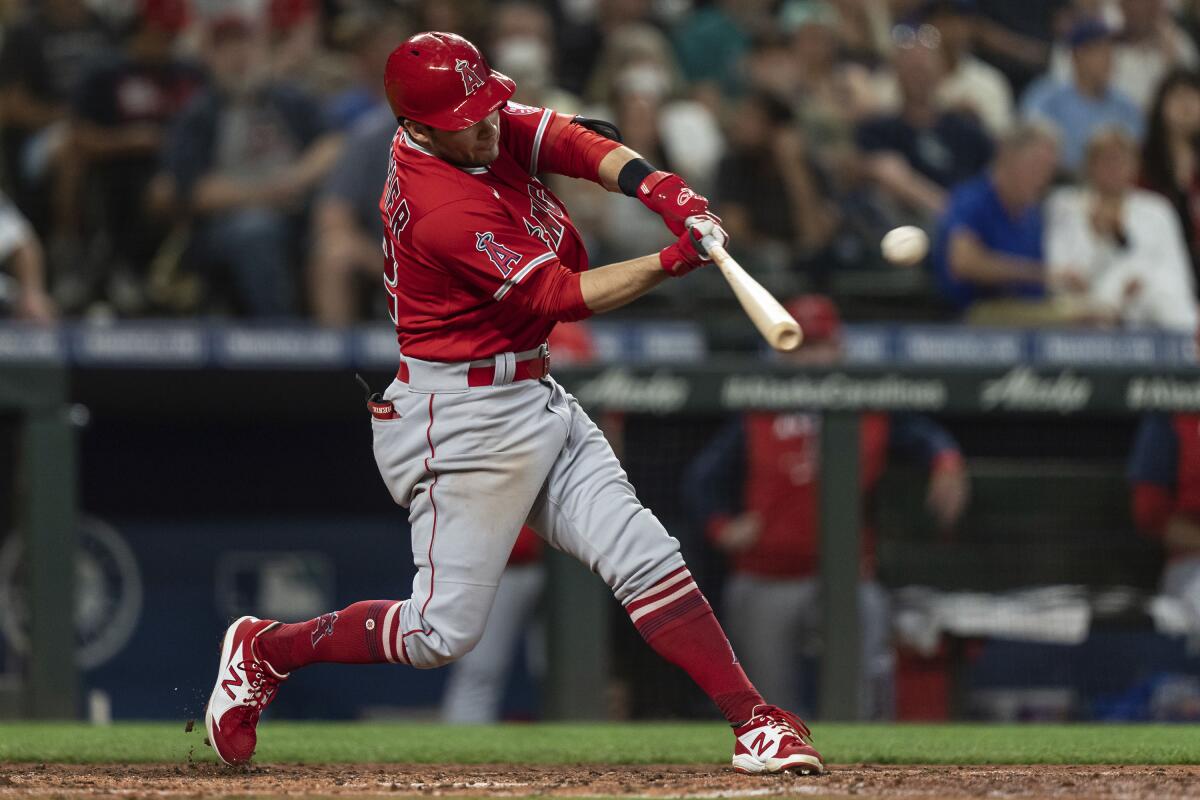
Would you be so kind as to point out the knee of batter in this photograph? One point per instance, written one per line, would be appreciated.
(445, 630)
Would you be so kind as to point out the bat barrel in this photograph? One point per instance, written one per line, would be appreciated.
(776, 325)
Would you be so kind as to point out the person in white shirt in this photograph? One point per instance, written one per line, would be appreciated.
(1123, 245)
(970, 84)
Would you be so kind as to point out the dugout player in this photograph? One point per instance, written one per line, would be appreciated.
(1164, 471)
(755, 488)
(474, 437)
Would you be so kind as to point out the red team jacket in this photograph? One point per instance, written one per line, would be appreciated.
(485, 260)
(769, 463)
(1164, 469)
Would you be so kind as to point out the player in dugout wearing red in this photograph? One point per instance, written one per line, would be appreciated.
(475, 437)
(755, 489)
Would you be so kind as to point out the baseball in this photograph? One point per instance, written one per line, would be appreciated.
(905, 246)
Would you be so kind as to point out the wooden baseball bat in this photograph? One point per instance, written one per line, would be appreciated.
(777, 326)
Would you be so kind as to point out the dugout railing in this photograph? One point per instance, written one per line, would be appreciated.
(183, 369)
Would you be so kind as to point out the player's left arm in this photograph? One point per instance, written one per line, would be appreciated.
(547, 141)
(919, 437)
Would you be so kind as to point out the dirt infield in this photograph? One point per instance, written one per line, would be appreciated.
(503, 780)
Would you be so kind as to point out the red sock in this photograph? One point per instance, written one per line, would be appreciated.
(675, 619)
(363, 633)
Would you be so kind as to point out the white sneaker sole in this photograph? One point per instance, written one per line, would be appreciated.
(749, 765)
(226, 652)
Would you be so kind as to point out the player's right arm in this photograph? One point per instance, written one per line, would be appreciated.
(478, 244)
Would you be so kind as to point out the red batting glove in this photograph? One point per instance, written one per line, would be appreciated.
(667, 195)
(688, 253)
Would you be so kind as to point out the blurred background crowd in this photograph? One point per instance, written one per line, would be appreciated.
(224, 157)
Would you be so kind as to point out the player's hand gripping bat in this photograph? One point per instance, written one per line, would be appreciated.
(776, 325)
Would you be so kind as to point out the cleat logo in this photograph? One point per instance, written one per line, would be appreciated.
(233, 680)
(762, 743)
(324, 627)
(470, 78)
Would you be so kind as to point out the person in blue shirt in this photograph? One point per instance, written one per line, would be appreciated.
(988, 242)
(1089, 102)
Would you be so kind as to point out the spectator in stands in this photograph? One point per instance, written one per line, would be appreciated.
(989, 241)
(523, 47)
(768, 193)
(712, 41)
(347, 260)
(1171, 154)
(1089, 101)
(916, 154)
(830, 93)
(1149, 46)
(120, 116)
(368, 34)
(245, 157)
(1016, 37)
(970, 84)
(637, 67)
(1124, 243)
(44, 55)
(1164, 471)
(755, 487)
(299, 55)
(21, 254)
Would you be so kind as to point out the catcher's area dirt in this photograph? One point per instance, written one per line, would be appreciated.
(505, 780)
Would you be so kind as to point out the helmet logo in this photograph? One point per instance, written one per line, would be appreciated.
(470, 78)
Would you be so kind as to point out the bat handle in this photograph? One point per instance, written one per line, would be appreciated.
(711, 246)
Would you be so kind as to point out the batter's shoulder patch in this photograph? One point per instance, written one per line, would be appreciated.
(504, 258)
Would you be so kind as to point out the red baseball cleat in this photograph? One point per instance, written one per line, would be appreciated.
(245, 686)
(774, 740)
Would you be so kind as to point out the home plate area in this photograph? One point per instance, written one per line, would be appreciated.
(505, 780)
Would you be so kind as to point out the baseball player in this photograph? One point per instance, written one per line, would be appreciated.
(1164, 473)
(755, 488)
(474, 437)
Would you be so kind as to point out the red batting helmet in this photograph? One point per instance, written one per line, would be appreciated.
(442, 80)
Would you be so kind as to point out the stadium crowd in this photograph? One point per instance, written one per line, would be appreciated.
(224, 157)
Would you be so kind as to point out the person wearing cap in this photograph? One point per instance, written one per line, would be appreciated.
(1147, 45)
(120, 115)
(970, 84)
(755, 489)
(474, 437)
(244, 158)
(1088, 101)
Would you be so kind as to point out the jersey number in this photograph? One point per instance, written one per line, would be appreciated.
(396, 215)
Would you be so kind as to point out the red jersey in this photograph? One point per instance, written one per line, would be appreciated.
(783, 486)
(475, 256)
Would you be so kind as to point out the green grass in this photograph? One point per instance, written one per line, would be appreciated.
(608, 743)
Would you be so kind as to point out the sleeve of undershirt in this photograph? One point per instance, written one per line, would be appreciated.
(482, 247)
(543, 140)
